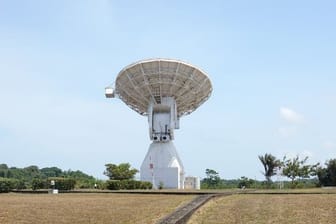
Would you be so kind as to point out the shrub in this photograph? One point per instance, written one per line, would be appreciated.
(130, 184)
(20, 184)
(245, 182)
(146, 185)
(62, 183)
(161, 185)
(38, 184)
(113, 184)
(6, 184)
(85, 183)
(127, 185)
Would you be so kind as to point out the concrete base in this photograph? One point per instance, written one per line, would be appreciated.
(162, 166)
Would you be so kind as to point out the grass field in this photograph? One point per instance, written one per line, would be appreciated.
(262, 208)
(330, 190)
(87, 208)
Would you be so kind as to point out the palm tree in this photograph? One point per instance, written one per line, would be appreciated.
(270, 163)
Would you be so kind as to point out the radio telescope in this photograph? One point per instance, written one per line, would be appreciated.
(163, 90)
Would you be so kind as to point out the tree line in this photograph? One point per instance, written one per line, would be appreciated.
(295, 169)
(32, 177)
(122, 176)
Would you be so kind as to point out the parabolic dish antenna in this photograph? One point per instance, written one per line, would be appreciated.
(164, 90)
(143, 81)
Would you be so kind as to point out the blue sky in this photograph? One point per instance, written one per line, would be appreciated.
(271, 63)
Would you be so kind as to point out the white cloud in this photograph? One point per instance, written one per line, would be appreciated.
(291, 116)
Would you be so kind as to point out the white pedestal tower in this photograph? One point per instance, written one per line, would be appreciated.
(162, 165)
(164, 90)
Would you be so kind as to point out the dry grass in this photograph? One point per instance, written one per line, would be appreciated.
(87, 208)
(327, 190)
(305, 209)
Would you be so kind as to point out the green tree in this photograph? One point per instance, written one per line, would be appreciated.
(16, 173)
(51, 172)
(245, 182)
(6, 184)
(38, 184)
(3, 170)
(31, 172)
(122, 171)
(3, 166)
(270, 163)
(294, 168)
(327, 175)
(212, 179)
(82, 179)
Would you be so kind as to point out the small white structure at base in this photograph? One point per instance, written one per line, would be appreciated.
(192, 183)
(53, 191)
(162, 166)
